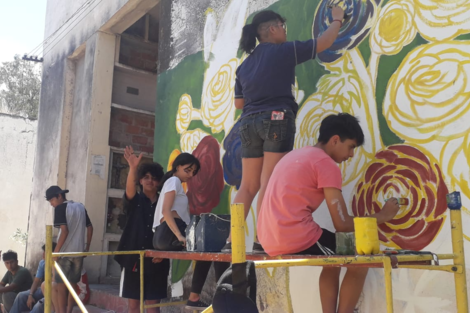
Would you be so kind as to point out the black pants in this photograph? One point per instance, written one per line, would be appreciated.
(201, 270)
(163, 240)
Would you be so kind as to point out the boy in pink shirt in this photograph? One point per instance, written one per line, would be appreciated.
(300, 182)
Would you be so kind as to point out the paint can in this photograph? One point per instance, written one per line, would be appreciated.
(366, 234)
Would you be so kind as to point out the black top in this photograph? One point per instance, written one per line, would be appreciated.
(60, 216)
(137, 234)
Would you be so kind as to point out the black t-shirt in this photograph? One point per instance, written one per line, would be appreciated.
(266, 79)
(137, 234)
(60, 216)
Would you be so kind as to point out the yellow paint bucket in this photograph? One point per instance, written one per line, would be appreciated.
(367, 236)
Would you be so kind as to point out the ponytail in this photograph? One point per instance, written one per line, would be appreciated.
(248, 39)
(250, 31)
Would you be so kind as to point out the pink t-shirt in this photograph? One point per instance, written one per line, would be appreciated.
(294, 192)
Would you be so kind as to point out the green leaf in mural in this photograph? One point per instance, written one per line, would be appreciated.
(178, 269)
(224, 204)
(186, 78)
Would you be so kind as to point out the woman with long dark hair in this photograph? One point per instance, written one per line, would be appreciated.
(264, 88)
(172, 218)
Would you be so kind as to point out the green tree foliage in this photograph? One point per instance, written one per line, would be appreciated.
(20, 86)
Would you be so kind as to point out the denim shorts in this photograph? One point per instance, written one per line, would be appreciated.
(259, 134)
(72, 269)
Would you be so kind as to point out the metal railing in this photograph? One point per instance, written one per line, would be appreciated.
(50, 263)
(458, 257)
(239, 256)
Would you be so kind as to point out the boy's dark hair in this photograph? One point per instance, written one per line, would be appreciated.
(10, 255)
(250, 31)
(61, 194)
(344, 125)
(182, 159)
(154, 169)
(53, 247)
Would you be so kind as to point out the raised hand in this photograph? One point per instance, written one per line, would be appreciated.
(337, 13)
(131, 158)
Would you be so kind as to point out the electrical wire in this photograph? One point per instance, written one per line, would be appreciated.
(45, 43)
(74, 25)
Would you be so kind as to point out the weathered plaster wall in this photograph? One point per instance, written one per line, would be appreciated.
(17, 150)
(54, 93)
(400, 66)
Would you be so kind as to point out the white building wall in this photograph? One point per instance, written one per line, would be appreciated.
(17, 150)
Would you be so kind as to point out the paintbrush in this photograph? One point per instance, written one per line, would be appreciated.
(401, 201)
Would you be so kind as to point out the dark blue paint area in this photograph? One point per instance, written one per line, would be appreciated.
(355, 28)
(232, 160)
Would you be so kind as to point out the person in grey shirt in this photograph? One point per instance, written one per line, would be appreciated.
(72, 220)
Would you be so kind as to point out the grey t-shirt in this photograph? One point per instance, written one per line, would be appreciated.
(75, 216)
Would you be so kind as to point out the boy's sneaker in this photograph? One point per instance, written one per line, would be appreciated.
(196, 305)
(258, 248)
(227, 248)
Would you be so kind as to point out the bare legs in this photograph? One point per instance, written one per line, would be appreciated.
(255, 177)
(349, 294)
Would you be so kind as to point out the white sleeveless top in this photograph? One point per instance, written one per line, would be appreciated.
(180, 205)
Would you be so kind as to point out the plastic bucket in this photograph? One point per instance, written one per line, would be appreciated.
(367, 236)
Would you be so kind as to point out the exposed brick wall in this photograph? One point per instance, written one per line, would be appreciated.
(137, 54)
(131, 128)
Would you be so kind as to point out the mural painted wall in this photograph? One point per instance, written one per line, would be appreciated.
(401, 66)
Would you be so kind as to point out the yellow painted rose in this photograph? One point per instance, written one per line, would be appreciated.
(455, 160)
(190, 139)
(394, 29)
(438, 20)
(186, 113)
(428, 97)
(218, 97)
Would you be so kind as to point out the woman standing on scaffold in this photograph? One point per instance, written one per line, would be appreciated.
(264, 91)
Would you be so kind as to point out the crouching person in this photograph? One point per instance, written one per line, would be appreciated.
(16, 279)
(29, 300)
(301, 181)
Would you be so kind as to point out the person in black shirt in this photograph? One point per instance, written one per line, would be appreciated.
(137, 235)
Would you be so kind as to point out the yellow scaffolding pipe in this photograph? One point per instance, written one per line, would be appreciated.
(48, 271)
(457, 248)
(388, 284)
(239, 256)
(238, 233)
(237, 224)
(165, 304)
(50, 264)
(70, 288)
(142, 304)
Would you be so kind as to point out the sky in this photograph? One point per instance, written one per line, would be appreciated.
(21, 26)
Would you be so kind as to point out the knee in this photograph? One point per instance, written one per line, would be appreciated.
(23, 296)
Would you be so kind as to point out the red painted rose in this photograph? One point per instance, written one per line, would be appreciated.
(404, 171)
(205, 188)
